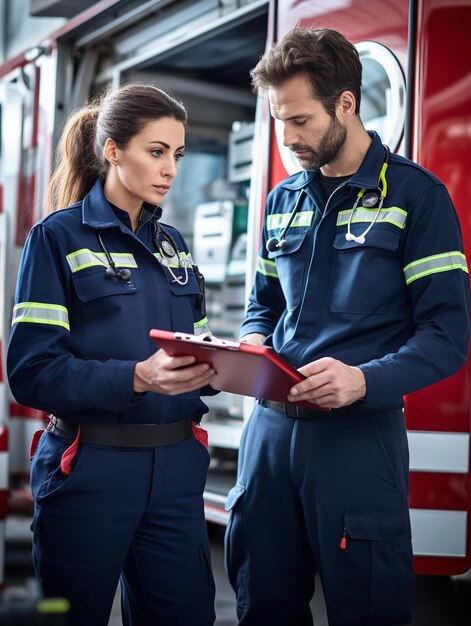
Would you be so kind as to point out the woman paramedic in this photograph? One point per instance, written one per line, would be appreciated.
(118, 475)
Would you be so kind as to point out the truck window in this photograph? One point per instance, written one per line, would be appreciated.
(382, 93)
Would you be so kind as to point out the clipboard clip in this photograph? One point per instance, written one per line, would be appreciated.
(208, 338)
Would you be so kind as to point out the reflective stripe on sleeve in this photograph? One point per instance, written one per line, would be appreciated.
(279, 220)
(454, 260)
(391, 215)
(40, 313)
(201, 327)
(81, 259)
(267, 267)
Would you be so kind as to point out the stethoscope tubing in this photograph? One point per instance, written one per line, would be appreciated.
(170, 252)
(166, 252)
(382, 188)
(279, 243)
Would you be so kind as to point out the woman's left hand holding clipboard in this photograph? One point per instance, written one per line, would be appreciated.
(171, 375)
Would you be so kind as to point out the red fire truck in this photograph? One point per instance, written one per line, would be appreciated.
(416, 94)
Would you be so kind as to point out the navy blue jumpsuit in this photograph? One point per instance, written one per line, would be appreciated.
(76, 337)
(397, 306)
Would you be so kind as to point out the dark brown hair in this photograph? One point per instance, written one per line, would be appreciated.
(329, 61)
(120, 115)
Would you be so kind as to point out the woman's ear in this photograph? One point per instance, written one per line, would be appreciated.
(110, 152)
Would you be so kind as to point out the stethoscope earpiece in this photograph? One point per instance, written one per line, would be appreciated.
(273, 244)
(124, 274)
(352, 237)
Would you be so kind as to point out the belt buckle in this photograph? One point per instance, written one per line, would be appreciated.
(292, 410)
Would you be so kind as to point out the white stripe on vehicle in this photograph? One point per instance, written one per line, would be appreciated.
(438, 452)
(438, 533)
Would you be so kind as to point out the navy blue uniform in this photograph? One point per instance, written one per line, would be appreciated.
(328, 494)
(77, 335)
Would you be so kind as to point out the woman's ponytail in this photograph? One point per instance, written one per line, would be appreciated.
(76, 164)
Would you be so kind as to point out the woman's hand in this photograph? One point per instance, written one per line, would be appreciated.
(171, 375)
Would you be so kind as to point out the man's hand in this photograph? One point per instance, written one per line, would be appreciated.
(171, 375)
(329, 383)
(255, 339)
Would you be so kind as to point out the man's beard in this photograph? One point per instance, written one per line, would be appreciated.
(329, 147)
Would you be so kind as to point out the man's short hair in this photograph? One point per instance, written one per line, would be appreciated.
(325, 57)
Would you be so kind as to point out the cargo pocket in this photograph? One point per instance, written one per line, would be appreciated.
(235, 552)
(378, 563)
(363, 275)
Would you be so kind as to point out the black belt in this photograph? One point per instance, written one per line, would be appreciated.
(293, 410)
(125, 435)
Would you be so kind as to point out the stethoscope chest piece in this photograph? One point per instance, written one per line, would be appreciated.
(370, 199)
(167, 249)
(166, 245)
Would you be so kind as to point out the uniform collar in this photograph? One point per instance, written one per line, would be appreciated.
(366, 176)
(98, 213)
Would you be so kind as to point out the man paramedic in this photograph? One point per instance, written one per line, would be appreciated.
(362, 284)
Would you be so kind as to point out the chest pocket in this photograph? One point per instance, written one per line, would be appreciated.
(93, 283)
(182, 300)
(291, 266)
(190, 289)
(364, 276)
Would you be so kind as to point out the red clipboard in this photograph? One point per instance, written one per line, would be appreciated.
(241, 368)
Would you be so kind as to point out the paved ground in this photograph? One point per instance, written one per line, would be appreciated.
(440, 601)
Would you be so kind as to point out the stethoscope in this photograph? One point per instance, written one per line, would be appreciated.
(168, 249)
(369, 199)
(164, 243)
(275, 243)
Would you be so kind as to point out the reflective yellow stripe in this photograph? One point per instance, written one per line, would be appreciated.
(392, 215)
(201, 327)
(454, 260)
(81, 259)
(40, 313)
(184, 259)
(53, 605)
(279, 220)
(267, 267)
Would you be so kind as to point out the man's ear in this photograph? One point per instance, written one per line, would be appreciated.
(110, 152)
(346, 104)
